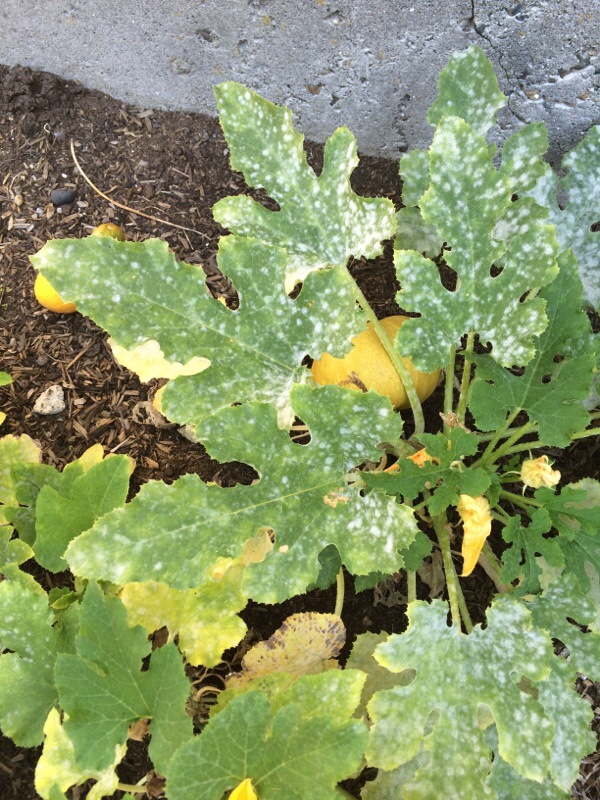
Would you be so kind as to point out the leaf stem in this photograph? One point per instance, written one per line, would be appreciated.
(489, 563)
(411, 580)
(441, 531)
(520, 500)
(503, 431)
(449, 389)
(131, 788)
(396, 360)
(340, 590)
(461, 409)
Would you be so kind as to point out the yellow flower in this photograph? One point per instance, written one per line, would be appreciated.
(244, 791)
(477, 525)
(421, 457)
(536, 472)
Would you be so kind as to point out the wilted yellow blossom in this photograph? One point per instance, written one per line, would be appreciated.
(244, 791)
(477, 525)
(536, 472)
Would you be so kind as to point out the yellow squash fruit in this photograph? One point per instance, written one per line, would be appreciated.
(110, 229)
(368, 366)
(48, 297)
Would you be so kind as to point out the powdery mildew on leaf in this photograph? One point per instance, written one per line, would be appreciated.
(27, 689)
(468, 88)
(103, 690)
(553, 386)
(455, 675)
(140, 294)
(465, 200)
(173, 534)
(282, 747)
(581, 211)
(321, 221)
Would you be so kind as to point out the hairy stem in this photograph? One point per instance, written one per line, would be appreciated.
(489, 563)
(441, 531)
(461, 409)
(519, 500)
(339, 597)
(396, 360)
(502, 432)
(449, 389)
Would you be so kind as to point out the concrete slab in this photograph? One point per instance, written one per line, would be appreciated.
(370, 65)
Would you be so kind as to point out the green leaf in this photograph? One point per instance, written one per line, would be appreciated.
(14, 450)
(321, 221)
(468, 88)
(57, 769)
(581, 208)
(5, 379)
(552, 388)
(103, 690)
(575, 513)
(60, 519)
(173, 534)
(453, 676)
(165, 323)
(466, 199)
(27, 688)
(561, 610)
(294, 750)
(414, 171)
(446, 477)
(526, 545)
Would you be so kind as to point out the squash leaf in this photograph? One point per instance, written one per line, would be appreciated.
(282, 748)
(173, 534)
(445, 477)
(103, 690)
(438, 712)
(527, 544)
(321, 221)
(580, 211)
(553, 386)
(57, 769)
(158, 311)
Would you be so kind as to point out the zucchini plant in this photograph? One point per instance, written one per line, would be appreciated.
(496, 277)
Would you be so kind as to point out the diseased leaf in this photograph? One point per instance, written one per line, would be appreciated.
(414, 171)
(57, 768)
(454, 675)
(280, 749)
(14, 450)
(561, 610)
(148, 301)
(581, 209)
(27, 689)
(466, 199)
(173, 534)
(468, 88)
(204, 620)
(60, 519)
(552, 387)
(522, 155)
(414, 233)
(575, 513)
(321, 222)
(446, 477)
(103, 690)
(305, 644)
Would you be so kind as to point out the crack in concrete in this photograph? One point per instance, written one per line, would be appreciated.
(511, 80)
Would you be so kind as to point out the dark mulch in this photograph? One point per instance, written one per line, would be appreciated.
(174, 166)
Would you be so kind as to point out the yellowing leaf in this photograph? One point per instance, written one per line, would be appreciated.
(205, 619)
(477, 526)
(57, 767)
(244, 791)
(148, 361)
(304, 645)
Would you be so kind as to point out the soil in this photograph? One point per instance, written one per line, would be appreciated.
(173, 166)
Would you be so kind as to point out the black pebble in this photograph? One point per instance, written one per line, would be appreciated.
(62, 197)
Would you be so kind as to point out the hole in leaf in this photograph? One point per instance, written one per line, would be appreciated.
(546, 378)
(299, 433)
(595, 227)
(495, 271)
(558, 358)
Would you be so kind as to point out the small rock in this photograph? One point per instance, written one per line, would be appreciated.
(51, 401)
(62, 197)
